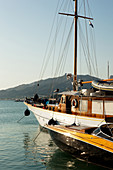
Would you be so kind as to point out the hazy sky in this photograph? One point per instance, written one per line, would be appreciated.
(24, 31)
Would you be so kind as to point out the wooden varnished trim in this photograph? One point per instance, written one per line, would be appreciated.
(87, 138)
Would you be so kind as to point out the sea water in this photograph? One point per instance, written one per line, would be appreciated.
(22, 148)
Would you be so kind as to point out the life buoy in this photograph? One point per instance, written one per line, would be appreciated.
(74, 103)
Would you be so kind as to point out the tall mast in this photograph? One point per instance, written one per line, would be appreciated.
(76, 16)
(75, 47)
(108, 69)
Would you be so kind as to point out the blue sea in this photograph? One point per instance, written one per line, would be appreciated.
(22, 148)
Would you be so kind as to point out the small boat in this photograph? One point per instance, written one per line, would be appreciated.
(91, 144)
(103, 85)
(19, 100)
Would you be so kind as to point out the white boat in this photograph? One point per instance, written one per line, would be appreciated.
(103, 85)
(89, 107)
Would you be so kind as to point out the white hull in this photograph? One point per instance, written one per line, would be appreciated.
(43, 116)
(105, 86)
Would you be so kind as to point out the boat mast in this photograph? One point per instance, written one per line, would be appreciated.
(76, 16)
(108, 69)
(75, 47)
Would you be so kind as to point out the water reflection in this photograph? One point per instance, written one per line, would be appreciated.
(43, 153)
(40, 151)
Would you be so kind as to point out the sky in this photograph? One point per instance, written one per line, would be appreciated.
(24, 31)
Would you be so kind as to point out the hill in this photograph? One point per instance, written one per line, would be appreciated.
(45, 87)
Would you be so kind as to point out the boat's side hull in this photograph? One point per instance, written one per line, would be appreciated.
(102, 86)
(82, 150)
(43, 116)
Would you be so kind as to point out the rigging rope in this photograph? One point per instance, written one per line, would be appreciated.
(44, 63)
(89, 45)
(53, 42)
(87, 40)
(65, 50)
(93, 44)
(62, 56)
(51, 49)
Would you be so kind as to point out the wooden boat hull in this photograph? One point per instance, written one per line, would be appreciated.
(82, 149)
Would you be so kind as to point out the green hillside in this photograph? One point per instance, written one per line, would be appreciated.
(45, 87)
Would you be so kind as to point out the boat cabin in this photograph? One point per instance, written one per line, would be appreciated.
(65, 104)
(91, 104)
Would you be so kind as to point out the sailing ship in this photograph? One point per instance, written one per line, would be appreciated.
(81, 107)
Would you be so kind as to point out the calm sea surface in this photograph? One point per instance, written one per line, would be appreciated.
(18, 150)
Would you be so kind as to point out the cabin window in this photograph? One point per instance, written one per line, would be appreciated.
(97, 106)
(52, 101)
(83, 106)
(108, 107)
